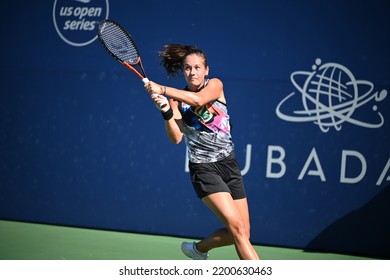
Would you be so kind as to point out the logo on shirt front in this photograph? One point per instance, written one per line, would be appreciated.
(206, 116)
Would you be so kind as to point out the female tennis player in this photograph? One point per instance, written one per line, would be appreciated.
(199, 114)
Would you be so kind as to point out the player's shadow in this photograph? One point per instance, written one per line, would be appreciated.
(364, 232)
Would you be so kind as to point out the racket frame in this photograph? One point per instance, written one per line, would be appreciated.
(131, 66)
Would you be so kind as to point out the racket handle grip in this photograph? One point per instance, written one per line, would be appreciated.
(145, 80)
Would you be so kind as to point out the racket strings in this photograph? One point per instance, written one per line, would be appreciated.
(119, 43)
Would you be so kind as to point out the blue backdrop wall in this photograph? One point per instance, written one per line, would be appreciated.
(307, 85)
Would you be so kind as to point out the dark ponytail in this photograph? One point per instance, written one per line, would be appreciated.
(173, 55)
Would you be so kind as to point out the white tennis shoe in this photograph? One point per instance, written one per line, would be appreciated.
(189, 249)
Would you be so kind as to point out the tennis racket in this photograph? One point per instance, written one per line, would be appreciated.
(119, 44)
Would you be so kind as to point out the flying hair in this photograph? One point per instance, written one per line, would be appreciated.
(173, 55)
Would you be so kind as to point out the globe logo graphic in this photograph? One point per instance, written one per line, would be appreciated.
(330, 95)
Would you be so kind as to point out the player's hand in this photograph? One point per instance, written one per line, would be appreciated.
(161, 102)
(154, 88)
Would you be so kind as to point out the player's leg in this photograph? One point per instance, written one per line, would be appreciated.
(221, 237)
(235, 217)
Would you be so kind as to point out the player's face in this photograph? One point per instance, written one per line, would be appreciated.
(195, 71)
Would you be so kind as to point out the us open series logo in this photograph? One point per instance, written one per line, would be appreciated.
(76, 21)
